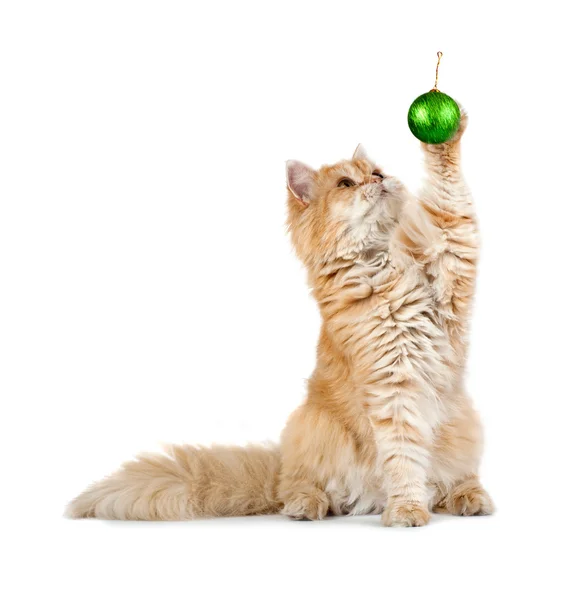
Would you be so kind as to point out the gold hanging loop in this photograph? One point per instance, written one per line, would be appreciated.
(435, 88)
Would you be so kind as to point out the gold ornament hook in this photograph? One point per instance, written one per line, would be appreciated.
(435, 88)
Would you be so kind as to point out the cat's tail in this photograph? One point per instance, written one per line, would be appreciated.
(186, 482)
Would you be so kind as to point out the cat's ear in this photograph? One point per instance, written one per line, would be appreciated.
(361, 154)
(300, 180)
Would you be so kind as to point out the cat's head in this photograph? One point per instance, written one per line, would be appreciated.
(345, 211)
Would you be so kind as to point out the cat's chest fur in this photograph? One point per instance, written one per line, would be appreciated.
(397, 344)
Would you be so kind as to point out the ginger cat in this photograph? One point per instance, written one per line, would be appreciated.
(387, 426)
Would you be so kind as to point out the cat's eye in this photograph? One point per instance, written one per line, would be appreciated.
(378, 174)
(345, 182)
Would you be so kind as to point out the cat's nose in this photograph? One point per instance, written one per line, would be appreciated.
(371, 192)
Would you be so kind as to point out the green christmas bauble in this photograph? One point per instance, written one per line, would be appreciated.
(434, 117)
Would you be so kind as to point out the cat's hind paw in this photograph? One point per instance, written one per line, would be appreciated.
(312, 505)
(466, 500)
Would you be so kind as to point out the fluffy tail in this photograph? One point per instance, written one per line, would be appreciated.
(186, 483)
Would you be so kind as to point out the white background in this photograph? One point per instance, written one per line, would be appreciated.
(149, 292)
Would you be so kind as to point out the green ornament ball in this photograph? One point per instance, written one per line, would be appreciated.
(434, 117)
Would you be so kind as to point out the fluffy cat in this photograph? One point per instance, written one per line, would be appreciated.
(387, 426)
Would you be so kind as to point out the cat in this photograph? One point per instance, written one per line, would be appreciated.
(387, 427)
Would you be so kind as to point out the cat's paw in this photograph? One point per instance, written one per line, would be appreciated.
(312, 505)
(405, 515)
(461, 127)
(448, 147)
(468, 499)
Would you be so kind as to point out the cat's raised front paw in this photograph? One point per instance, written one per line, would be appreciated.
(441, 149)
(461, 127)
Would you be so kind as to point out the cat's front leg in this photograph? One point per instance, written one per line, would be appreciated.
(402, 439)
(444, 231)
